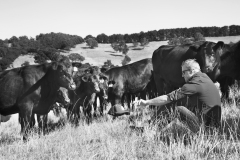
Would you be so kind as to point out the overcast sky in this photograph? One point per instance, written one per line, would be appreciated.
(84, 17)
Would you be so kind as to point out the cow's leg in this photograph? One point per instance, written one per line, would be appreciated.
(101, 101)
(122, 100)
(87, 112)
(25, 118)
(95, 105)
(76, 114)
(160, 85)
(32, 123)
(42, 123)
(128, 97)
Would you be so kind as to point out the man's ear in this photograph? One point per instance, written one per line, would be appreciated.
(54, 65)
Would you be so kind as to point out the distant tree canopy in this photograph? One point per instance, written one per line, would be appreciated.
(120, 47)
(48, 46)
(108, 64)
(76, 57)
(44, 47)
(92, 43)
(182, 40)
(167, 34)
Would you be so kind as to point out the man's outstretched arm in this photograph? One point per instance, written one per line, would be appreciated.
(158, 101)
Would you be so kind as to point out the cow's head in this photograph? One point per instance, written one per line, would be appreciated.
(62, 96)
(62, 72)
(208, 55)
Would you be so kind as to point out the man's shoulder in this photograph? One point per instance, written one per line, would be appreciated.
(199, 77)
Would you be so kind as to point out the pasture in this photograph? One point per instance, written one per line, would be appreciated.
(107, 139)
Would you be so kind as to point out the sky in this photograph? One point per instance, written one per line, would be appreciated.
(94, 17)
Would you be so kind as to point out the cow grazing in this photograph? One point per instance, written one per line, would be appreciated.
(167, 62)
(132, 78)
(32, 89)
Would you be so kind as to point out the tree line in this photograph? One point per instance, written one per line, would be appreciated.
(48, 46)
(44, 47)
(166, 34)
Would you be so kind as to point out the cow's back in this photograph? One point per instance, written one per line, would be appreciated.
(167, 61)
(132, 77)
(14, 83)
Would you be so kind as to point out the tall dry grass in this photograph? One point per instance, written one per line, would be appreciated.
(107, 139)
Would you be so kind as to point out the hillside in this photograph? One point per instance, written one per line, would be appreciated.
(105, 52)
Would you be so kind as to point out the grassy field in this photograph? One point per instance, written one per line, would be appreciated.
(107, 139)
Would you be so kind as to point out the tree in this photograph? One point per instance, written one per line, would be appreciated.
(91, 42)
(76, 57)
(126, 60)
(26, 63)
(198, 37)
(120, 46)
(108, 64)
(135, 44)
(144, 42)
(102, 38)
(88, 36)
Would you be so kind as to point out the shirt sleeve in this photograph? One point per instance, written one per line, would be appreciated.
(186, 90)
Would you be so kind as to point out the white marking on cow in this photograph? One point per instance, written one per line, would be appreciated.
(110, 85)
(75, 69)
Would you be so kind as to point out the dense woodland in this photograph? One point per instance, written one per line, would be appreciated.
(48, 46)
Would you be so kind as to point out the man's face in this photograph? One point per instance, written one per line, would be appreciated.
(186, 73)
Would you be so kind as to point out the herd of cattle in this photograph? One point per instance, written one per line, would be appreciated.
(34, 89)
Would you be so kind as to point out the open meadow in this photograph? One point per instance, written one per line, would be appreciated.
(108, 139)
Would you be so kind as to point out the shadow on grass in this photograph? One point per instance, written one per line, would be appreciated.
(110, 51)
(137, 48)
(116, 55)
(86, 47)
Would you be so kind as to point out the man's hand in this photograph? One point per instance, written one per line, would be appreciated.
(140, 102)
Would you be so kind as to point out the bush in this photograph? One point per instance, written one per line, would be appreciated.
(144, 42)
(135, 44)
(26, 63)
(91, 42)
(182, 40)
(120, 46)
(126, 60)
(76, 57)
(198, 37)
(108, 64)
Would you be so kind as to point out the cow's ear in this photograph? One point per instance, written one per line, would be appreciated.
(75, 69)
(111, 82)
(194, 48)
(220, 44)
(103, 77)
(103, 69)
(54, 65)
(85, 78)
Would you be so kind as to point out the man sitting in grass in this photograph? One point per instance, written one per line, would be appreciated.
(204, 104)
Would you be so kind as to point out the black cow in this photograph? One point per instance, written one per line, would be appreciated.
(102, 96)
(32, 89)
(167, 62)
(61, 100)
(229, 70)
(84, 95)
(132, 78)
